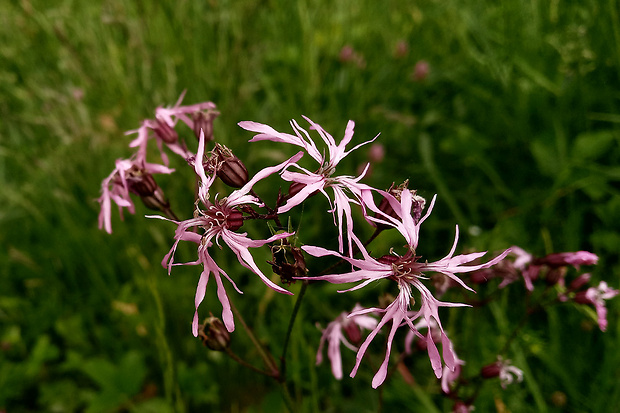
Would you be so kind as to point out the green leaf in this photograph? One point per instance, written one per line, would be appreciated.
(593, 145)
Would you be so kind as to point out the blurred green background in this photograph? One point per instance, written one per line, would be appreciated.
(515, 124)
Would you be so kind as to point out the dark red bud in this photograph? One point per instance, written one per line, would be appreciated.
(481, 277)
(579, 282)
(582, 298)
(141, 183)
(490, 371)
(214, 334)
(156, 201)
(353, 332)
(164, 132)
(460, 407)
(233, 172)
(204, 121)
(295, 187)
(387, 209)
(421, 344)
(554, 275)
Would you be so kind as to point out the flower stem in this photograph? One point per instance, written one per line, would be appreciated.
(267, 358)
(285, 390)
(289, 331)
(244, 363)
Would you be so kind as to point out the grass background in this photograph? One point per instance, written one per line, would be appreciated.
(516, 127)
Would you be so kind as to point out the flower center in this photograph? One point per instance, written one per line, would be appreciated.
(219, 218)
(403, 268)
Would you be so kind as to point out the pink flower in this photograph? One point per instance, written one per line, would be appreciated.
(220, 219)
(575, 259)
(322, 178)
(421, 70)
(117, 186)
(172, 115)
(597, 297)
(530, 267)
(408, 272)
(503, 369)
(334, 335)
(162, 128)
(522, 264)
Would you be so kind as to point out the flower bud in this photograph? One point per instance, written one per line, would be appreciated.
(141, 182)
(353, 332)
(481, 276)
(421, 71)
(228, 167)
(156, 201)
(569, 258)
(401, 49)
(554, 275)
(490, 371)
(579, 282)
(461, 407)
(214, 334)
(164, 132)
(387, 209)
(582, 297)
(376, 152)
(295, 187)
(204, 121)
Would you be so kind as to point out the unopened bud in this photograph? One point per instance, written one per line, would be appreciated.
(141, 182)
(569, 258)
(353, 332)
(214, 334)
(491, 371)
(295, 187)
(582, 298)
(554, 275)
(421, 70)
(387, 209)
(156, 201)
(228, 167)
(234, 220)
(579, 282)
(481, 276)
(376, 152)
(165, 132)
(461, 407)
(204, 121)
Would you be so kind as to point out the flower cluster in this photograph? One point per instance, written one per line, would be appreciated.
(218, 218)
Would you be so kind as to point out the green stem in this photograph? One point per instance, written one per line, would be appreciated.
(244, 363)
(289, 331)
(285, 390)
(267, 358)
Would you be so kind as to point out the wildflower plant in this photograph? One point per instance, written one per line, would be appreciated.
(414, 283)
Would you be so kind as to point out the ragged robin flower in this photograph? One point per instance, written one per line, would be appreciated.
(219, 220)
(337, 332)
(130, 176)
(408, 272)
(308, 183)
